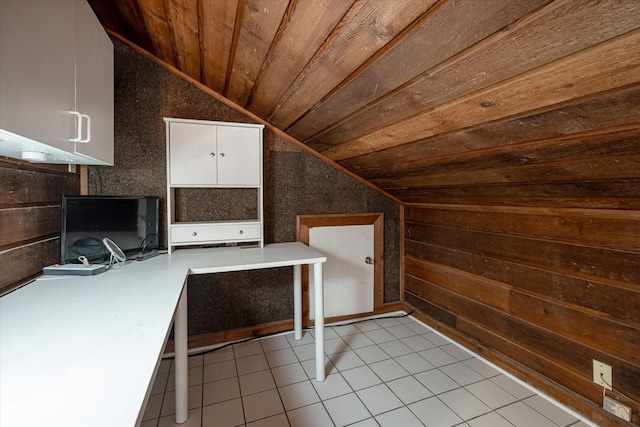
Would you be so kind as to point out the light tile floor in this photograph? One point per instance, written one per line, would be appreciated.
(389, 372)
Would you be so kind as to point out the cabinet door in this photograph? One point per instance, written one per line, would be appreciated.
(239, 156)
(94, 85)
(37, 75)
(192, 154)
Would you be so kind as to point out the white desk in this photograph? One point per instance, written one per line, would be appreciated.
(83, 351)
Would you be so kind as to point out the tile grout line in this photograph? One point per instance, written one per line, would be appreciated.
(377, 345)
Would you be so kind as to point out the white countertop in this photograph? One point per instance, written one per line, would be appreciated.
(83, 350)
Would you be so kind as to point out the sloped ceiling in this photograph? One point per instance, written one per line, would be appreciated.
(451, 101)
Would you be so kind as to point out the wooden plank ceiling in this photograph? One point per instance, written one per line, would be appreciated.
(420, 97)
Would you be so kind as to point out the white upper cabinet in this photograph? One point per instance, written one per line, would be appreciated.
(37, 72)
(56, 83)
(214, 155)
(208, 154)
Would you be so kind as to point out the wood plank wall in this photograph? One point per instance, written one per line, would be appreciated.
(30, 218)
(550, 287)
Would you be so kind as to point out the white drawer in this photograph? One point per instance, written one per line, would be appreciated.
(211, 233)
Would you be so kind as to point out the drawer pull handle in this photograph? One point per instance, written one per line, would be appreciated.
(240, 232)
(194, 234)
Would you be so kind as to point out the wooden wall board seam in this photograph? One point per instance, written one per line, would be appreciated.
(26, 261)
(592, 203)
(491, 353)
(520, 153)
(588, 261)
(534, 210)
(579, 362)
(516, 324)
(530, 237)
(365, 28)
(28, 242)
(593, 295)
(237, 28)
(519, 30)
(606, 167)
(583, 376)
(431, 121)
(612, 109)
(449, 300)
(436, 312)
(260, 22)
(587, 311)
(609, 336)
(585, 389)
(421, 268)
(153, 15)
(470, 25)
(292, 48)
(608, 229)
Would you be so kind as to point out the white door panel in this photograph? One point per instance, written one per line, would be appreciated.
(348, 279)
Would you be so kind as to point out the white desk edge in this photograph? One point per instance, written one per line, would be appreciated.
(117, 323)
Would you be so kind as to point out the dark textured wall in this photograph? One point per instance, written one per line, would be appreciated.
(295, 183)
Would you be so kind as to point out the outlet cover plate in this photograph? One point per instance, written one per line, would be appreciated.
(602, 374)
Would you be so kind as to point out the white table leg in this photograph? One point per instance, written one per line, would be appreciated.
(319, 324)
(297, 301)
(181, 338)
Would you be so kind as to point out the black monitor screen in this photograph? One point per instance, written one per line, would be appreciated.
(130, 221)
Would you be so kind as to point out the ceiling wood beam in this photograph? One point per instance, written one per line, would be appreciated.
(614, 63)
(260, 22)
(217, 23)
(611, 194)
(604, 142)
(529, 43)
(157, 24)
(599, 113)
(368, 27)
(624, 166)
(447, 29)
(184, 20)
(306, 25)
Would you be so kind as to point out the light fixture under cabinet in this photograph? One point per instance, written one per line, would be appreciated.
(34, 156)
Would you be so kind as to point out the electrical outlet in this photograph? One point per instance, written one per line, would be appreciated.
(617, 408)
(602, 375)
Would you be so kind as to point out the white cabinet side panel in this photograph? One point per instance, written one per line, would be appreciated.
(94, 85)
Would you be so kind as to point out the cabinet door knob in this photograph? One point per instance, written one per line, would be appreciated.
(212, 154)
(194, 234)
(368, 260)
(221, 154)
(240, 232)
